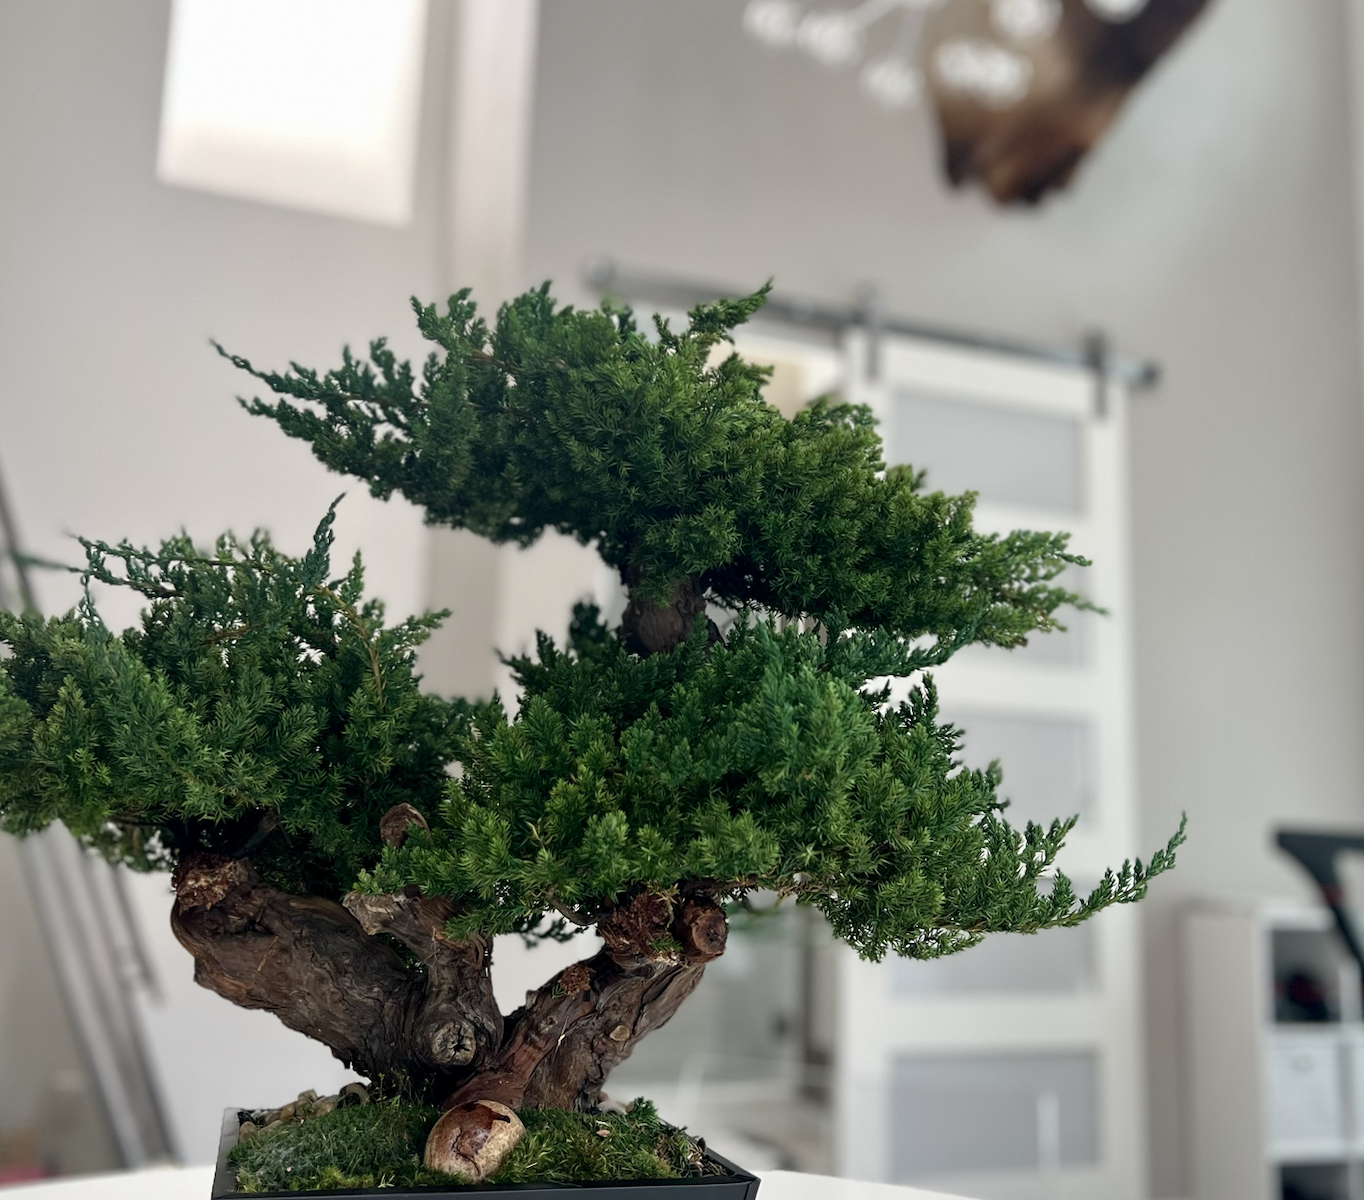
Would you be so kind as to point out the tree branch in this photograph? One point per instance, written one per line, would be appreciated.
(562, 1045)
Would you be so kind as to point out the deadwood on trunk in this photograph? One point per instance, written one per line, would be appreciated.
(321, 970)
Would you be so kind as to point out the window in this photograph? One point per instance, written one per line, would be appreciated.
(312, 104)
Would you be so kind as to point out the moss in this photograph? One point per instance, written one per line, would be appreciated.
(569, 1147)
(375, 1145)
(380, 1145)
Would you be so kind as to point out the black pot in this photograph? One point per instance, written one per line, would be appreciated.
(734, 1184)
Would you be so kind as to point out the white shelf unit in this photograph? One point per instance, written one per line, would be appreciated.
(1276, 1054)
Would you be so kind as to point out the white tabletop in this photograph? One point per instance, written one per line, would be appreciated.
(193, 1183)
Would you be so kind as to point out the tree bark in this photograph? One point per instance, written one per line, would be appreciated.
(432, 1028)
(562, 1045)
(652, 628)
(323, 972)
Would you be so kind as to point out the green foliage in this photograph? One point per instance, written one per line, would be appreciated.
(264, 708)
(760, 763)
(573, 1147)
(672, 467)
(380, 1145)
(259, 703)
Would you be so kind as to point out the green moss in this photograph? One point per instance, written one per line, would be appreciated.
(569, 1147)
(377, 1145)
(380, 1145)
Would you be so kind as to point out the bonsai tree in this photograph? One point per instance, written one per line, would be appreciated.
(345, 847)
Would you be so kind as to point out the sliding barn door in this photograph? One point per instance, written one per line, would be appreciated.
(1013, 1070)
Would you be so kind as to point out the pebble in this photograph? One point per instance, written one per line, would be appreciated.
(308, 1105)
(353, 1093)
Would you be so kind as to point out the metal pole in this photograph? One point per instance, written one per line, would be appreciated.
(610, 280)
(96, 950)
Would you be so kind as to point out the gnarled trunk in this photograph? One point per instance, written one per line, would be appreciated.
(433, 1027)
(323, 971)
(562, 1045)
(653, 628)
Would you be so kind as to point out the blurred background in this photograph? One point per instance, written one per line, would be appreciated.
(1148, 333)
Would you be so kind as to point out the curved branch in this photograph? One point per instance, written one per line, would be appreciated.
(562, 1045)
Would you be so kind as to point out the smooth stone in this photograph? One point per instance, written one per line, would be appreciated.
(473, 1140)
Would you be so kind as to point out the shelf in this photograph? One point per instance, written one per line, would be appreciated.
(1277, 1055)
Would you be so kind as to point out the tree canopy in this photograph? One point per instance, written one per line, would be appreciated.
(672, 467)
(264, 707)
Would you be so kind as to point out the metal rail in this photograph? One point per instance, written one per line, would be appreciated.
(96, 948)
(609, 279)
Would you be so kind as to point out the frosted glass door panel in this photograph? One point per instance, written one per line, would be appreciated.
(980, 1073)
(1059, 648)
(1055, 960)
(1047, 761)
(1011, 456)
(998, 1112)
(1356, 1085)
(1305, 1090)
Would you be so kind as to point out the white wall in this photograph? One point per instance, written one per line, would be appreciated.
(1213, 230)
(118, 419)
(45, 1085)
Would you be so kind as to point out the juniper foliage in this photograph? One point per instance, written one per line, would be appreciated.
(763, 763)
(260, 704)
(670, 467)
(264, 707)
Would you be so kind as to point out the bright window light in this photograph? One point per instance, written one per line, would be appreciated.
(311, 104)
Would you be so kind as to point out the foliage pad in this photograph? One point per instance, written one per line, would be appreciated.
(671, 467)
(260, 701)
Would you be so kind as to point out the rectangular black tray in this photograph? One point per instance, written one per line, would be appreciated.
(735, 1184)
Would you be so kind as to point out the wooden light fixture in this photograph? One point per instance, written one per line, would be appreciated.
(1022, 89)
(1077, 79)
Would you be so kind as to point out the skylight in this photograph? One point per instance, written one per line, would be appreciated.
(311, 104)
